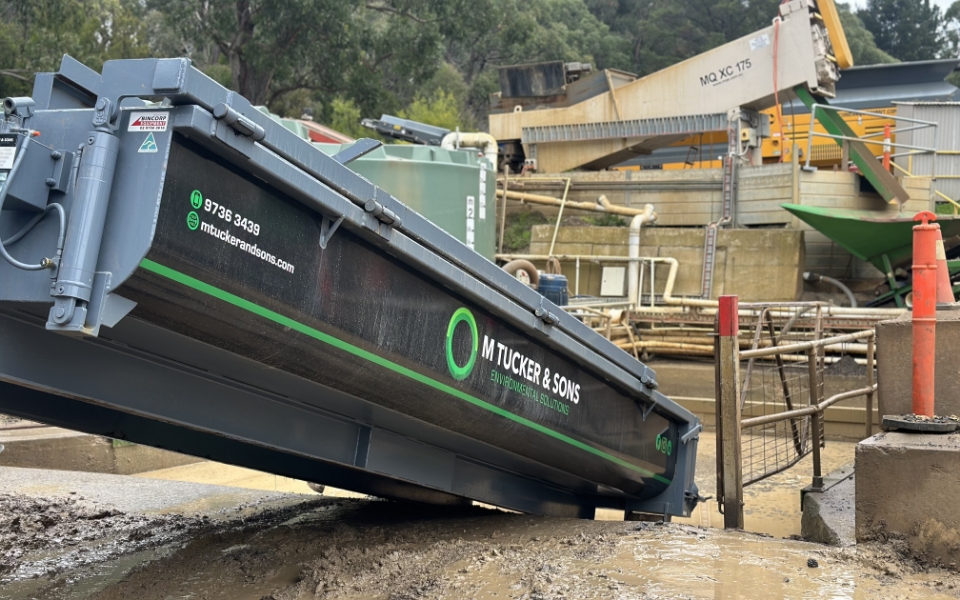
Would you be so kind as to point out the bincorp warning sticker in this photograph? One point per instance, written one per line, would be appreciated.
(148, 121)
(8, 151)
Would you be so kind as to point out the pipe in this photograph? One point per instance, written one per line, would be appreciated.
(813, 277)
(556, 228)
(807, 410)
(827, 310)
(646, 344)
(515, 265)
(456, 140)
(677, 303)
(633, 275)
(598, 206)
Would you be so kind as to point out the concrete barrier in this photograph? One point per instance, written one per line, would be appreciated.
(895, 371)
(907, 487)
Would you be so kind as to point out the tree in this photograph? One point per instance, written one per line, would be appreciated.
(907, 29)
(345, 118)
(270, 47)
(951, 20)
(440, 110)
(862, 45)
(481, 35)
(664, 32)
(35, 34)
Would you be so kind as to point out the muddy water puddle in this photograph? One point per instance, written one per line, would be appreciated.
(684, 563)
(771, 506)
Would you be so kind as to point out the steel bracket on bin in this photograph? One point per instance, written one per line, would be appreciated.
(328, 226)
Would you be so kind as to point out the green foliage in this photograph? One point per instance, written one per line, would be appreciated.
(434, 61)
(35, 34)
(945, 208)
(441, 110)
(862, 45)
(481, 35)
(344, 116)
(951, 20)
(516, 231)
(907, 29)
(661, 33)
(605, 220)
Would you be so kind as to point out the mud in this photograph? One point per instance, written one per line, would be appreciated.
(41, 537)
(346, 548)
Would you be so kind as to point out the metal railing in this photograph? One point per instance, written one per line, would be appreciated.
(784, 420)
(912, 150)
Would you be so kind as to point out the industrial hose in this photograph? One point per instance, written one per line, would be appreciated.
(515, 265)
(45, 264)
(808, 276)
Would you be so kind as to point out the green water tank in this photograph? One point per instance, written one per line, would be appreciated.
(456, 189)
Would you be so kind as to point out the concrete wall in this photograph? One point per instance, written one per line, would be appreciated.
(757, 264)
(689, 197)
(53, 448)
(692, 197)
(895, 366)
(907, 487)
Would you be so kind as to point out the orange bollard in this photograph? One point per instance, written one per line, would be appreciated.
(944, 288)
(886, 147)
(924, 311)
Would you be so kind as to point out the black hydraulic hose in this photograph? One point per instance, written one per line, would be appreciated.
(33, 223)
(45, 264)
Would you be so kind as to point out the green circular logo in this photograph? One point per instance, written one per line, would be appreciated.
(196, 199)
(460, 373)
(193, 220)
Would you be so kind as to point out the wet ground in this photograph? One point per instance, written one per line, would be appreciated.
(261, 537)
(354, 548)
(771, 506)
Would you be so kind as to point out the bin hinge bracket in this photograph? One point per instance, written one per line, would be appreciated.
(545, 315)
(382, 213)
(328, 226)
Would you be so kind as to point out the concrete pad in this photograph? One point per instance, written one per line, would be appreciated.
(829, 516)
(907, 487)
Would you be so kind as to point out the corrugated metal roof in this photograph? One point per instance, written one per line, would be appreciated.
(927, 103)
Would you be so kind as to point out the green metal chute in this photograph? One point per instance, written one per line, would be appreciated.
(881, 179)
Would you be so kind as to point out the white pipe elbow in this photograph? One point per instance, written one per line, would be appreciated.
(456, 140)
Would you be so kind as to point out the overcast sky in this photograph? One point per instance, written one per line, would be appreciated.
(943, 4)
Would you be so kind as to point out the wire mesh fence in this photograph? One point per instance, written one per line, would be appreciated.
(771, 367)
(775, 384)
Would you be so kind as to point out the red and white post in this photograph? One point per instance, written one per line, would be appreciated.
(729, 456)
